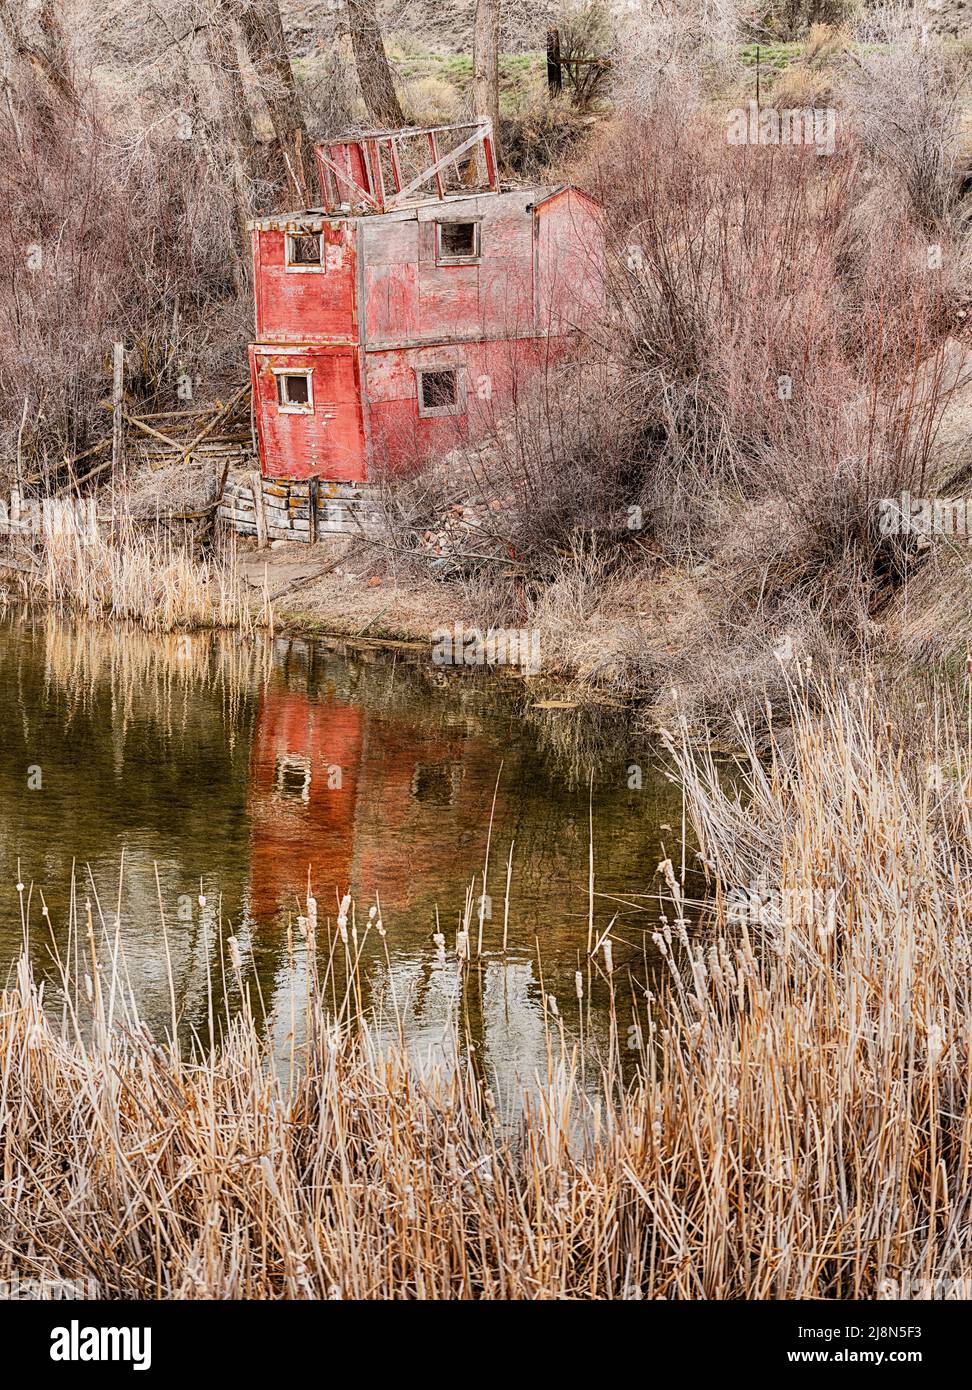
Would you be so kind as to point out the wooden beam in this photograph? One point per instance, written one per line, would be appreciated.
(313, 491)
(256, 482)
(485, 129)
(154, 433)
(434, 152)
(117, 400)
(396, 167)
(176, 414)
(408, 131)
(373, 154)
(345, 177)
(490, 158)
(221, 414)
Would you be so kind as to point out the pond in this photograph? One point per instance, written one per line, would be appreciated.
(206, 782)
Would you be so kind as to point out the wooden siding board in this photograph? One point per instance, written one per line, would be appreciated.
(295, 306)
(329, 441)
(391, 300)
(385, 242)
(448, 299)
(569, 263)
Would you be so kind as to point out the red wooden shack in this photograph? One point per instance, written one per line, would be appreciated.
(397, 319)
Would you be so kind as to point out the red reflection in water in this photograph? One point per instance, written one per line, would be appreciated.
(368, 801)
(303, 793)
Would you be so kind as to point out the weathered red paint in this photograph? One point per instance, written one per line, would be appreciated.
(326, 442)
(297, 305)
(362, 832)
(300, 814)
(383, 308)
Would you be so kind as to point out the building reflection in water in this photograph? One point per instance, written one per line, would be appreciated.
(254, 771)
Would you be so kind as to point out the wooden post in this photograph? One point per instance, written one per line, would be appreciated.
(313, 490)
(117, 421)
(256, 482)
(434, 152)
(555, 79)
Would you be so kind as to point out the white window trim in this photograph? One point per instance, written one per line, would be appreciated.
(440, 256)
(307, 372)
(433, 412)
(297, 266)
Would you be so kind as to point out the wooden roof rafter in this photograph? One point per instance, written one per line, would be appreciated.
(354, 174)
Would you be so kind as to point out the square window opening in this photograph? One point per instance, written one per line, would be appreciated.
(458, 241)
(294, 391)
(292, 777)
(305, 249)
(439, 390)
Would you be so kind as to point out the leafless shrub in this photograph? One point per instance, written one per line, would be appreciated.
(773, 348)
(328, 94)
(780, 348)
(541, 138)
(902, 94)
(675, 50)
(105, 239)
(588, 36)
(789, 19)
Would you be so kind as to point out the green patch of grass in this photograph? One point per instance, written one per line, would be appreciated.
(776, 55)
(521, 74)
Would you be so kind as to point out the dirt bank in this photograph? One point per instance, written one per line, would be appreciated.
(335, 588)
(615, 643)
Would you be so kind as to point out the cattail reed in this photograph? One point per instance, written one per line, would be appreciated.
(760, 1090)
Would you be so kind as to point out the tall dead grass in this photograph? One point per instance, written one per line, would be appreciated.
(142, 574)
(799, 1126)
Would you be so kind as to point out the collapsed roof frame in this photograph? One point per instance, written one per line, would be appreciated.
(369, 183)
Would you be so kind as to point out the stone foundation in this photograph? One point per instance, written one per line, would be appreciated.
(297, 509)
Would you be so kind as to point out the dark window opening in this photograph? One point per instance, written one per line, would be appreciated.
(292, 777)
(434, 783)
(439, 390)
(304, 249)
(293, 388)
(458, 241)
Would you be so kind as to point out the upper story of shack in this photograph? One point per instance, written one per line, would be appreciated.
(416, 243)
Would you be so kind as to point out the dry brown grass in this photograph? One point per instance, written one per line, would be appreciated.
(140, 574)
(800, 1124)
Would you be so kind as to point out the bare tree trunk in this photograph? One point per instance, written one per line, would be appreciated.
(263, 35)
(54, 55)
(234, 140)
(371, 60)
(485, 88)
(45, 53)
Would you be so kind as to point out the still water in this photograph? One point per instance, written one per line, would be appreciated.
(241, 772)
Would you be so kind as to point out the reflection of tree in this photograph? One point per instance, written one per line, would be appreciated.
(142, 745)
